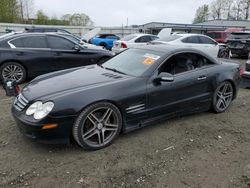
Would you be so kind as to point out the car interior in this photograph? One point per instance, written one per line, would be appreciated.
(183, 62)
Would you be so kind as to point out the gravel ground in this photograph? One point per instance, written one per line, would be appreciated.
(202, 150)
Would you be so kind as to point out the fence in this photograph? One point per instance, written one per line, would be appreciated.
(120, 31)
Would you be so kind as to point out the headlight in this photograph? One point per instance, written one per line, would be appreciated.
(39, 110)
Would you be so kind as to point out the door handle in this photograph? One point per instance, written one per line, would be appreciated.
(201, 78)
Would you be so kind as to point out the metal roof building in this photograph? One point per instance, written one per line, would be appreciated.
(215, 25)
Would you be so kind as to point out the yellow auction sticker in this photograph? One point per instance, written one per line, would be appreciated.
(148, 61)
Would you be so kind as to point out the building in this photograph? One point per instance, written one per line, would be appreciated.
(213, 25)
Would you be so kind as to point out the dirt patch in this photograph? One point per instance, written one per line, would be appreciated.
(202, 150)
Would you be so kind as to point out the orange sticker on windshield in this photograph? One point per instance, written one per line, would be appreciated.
(148, 61)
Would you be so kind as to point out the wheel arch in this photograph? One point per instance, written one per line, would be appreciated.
(15, 61)
(108, 101)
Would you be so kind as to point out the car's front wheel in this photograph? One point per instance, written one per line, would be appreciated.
(13, 71)
(97, 126)
(223, 97)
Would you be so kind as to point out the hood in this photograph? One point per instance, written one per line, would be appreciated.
(68, 80)
(91, 34)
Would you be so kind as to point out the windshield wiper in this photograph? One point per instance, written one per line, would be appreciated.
(114, 70)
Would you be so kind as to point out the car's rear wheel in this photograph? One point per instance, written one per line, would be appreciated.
(13, 72)
(223, 97)
(103, 45)
(97, 126)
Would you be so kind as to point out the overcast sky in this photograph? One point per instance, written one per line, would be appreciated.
(116, 12)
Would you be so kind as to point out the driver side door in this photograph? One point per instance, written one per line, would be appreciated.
(65, 55)
(187, 92)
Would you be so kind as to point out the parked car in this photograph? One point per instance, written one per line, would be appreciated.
(79, 41)
(195, 41)
(133, 40)
(28, 55)
(105, 40)
(221, 36)
(239, 43)
(45, 30)
(245, 82)
(131, 90)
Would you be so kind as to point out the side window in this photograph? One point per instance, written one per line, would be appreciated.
(192, 39)
(18, 43)
(34, 42)
(184, 62)
(143, 39)
(153, 38)
(205, 40)
(30, 42)
(60, 43)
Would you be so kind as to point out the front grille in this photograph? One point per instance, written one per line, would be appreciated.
(20, 102)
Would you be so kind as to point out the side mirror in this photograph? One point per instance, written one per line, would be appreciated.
(77, 48)
(164, 77)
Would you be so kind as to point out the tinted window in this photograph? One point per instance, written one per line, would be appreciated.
(60, 43)
(30, 42)
(215, 35)
(153, 38)
(184, 62)
(18, 43)
(205, 40)
(143, 39)
(239, 35)
(193, 39)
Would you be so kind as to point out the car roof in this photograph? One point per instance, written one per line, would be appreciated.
(167, 49)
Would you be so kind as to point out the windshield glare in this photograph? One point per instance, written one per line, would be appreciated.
(133, 62)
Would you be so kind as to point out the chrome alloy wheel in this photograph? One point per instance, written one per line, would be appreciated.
(100, 127)
(224, 96)
(12, 73)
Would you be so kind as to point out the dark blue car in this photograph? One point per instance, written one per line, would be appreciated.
(105, 40)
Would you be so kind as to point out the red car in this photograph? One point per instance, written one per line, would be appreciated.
(220, 36)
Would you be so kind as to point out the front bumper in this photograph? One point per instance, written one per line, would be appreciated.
(245, 82)
(33, 130)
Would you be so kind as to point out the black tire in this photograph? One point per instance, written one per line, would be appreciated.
(103, 45)
(223, 53)
(92, 121)
(19, 76)
(223, 96)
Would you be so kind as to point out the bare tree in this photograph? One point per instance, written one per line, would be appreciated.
(217, 7)
(26, 9)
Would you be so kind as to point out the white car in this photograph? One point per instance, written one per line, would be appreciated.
(133, 40)
(188, 40)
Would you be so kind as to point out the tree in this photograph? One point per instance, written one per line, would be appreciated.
(202, 14)
(217, 9)
(8, 11)
(41, 18)
(26, 9)
(78, 19)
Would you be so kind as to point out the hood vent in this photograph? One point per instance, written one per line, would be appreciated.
(111, 75)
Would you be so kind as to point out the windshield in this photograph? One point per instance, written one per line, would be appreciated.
(129, 37)
(169, 38)
(133, 62)
(239, 36)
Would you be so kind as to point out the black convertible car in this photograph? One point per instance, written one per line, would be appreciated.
(28, 55)
(94, 104)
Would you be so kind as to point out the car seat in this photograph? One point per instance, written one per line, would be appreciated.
(182, 65)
